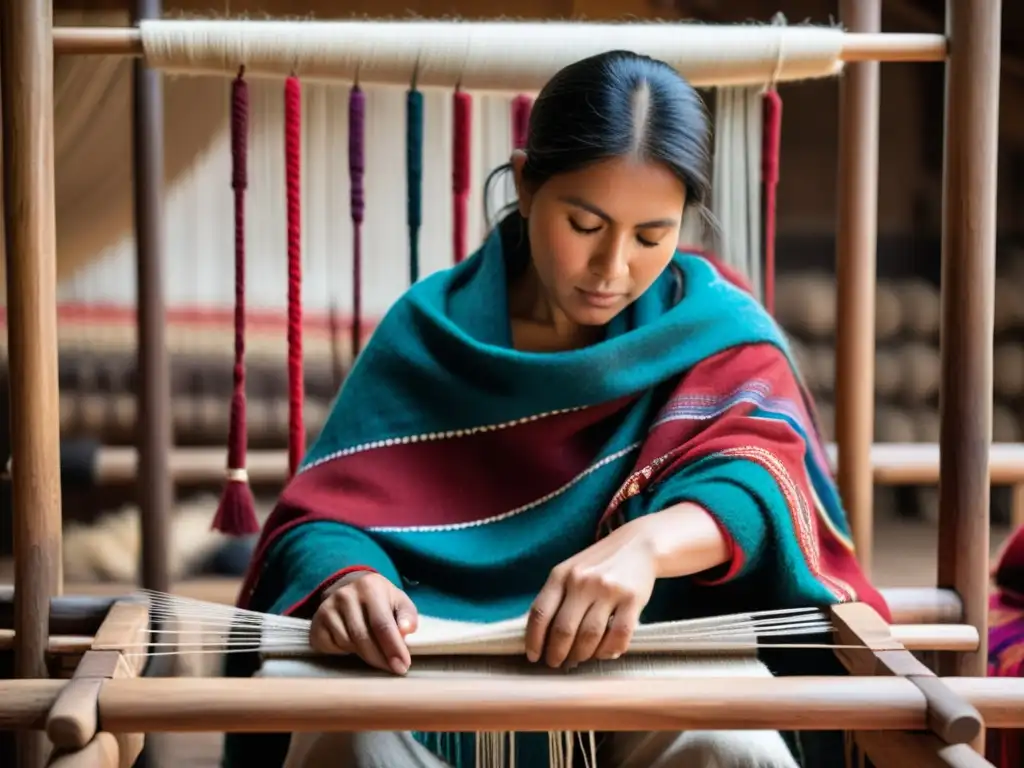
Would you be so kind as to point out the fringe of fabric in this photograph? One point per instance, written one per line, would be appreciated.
(497, 749)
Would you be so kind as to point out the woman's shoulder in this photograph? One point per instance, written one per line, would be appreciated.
(730, 274)
(724, 293)
(427, 291)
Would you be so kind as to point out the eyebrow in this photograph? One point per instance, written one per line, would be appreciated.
(581, 203)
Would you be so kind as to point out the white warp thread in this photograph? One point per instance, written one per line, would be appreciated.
(736, 195)
(434, 637)
(484, 56)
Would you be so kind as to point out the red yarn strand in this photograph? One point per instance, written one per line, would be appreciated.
(771, 133)
(463, 104)
(236, 514)
(522, 105)
(293, 173)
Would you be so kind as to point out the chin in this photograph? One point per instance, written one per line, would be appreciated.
(594, 316)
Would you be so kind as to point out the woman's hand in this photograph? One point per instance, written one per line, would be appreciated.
(366, 614)
(591, 603)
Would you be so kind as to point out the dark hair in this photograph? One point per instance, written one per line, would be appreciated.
(617, 104)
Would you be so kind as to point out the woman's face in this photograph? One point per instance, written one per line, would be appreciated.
(600, 236)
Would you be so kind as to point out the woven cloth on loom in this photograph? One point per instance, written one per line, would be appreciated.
(499, 641)
(735, 664)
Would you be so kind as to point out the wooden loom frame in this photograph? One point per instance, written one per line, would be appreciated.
(160, 466)
(893, 691)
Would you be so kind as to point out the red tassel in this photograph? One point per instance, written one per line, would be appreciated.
(521, 108)
(460, 173)
(236, 514)
(293, 172)
(771, 133)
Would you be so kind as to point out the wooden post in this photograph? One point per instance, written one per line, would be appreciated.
(968, 288)
(153, 429)
(31, 253)
(855, 278)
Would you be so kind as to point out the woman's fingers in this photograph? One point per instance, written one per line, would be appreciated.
(564, 628)
(618, 631)
(369, 616)
(335, 625)
(590, 633)
(327, 632)
(383, 625)
(359, 631)
(405, 612)
(542, 612)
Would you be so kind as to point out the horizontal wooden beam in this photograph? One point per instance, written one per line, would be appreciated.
(892, 464)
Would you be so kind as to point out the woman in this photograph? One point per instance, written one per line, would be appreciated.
(577, 422)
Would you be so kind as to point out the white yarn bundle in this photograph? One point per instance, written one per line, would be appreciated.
(484, 56)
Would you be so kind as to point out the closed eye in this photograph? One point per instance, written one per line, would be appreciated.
(592, 230)
(583, 230)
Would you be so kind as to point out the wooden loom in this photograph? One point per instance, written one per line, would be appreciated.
(162, 465)
(890, 692)
(891, 464)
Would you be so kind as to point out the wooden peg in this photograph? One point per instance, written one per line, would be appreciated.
(74, 717)
(950, 717)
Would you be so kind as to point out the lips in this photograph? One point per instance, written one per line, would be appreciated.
(600, 298)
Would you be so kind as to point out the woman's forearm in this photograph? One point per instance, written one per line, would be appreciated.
(683, 539)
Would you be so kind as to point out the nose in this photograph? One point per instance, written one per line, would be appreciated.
(611, 261)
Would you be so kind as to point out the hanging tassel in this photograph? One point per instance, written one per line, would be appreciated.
(414, 176)
(771, 133)
(293, 174)
(460, 172)
(236, 514)
(521, 108)
(356, 167)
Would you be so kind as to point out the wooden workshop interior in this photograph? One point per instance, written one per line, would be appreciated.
(898, 183)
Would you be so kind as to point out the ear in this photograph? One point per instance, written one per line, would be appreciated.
(523, 195)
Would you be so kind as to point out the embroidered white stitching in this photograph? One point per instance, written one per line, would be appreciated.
(518, 510)
(447, 435)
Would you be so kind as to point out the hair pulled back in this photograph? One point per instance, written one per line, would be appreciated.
(618, 104)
